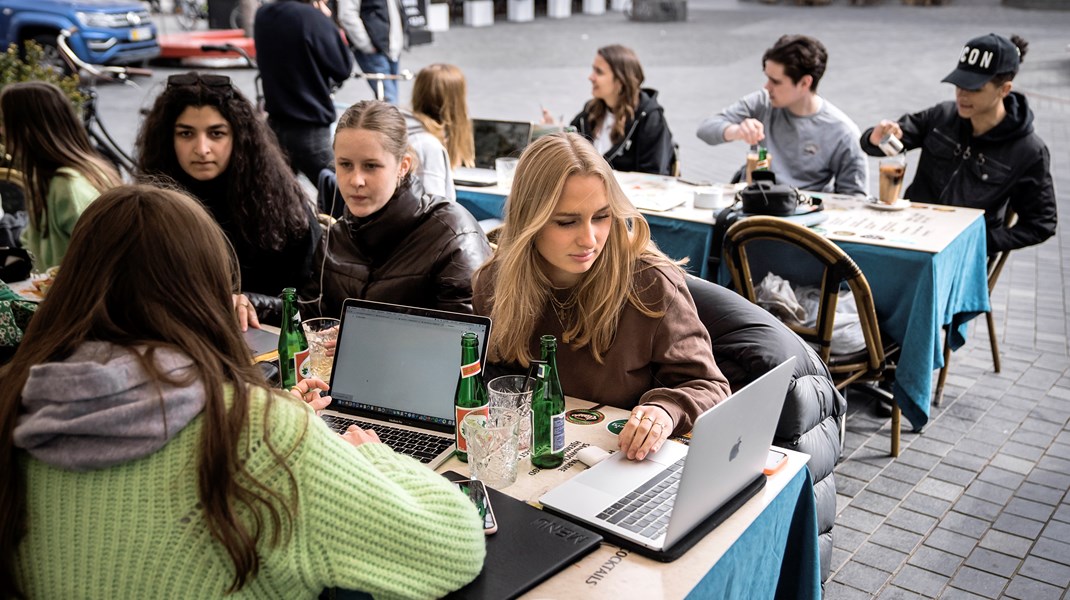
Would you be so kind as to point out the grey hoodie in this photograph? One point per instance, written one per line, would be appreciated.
(98, 408)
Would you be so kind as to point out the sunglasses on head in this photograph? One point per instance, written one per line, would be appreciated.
(206, 79)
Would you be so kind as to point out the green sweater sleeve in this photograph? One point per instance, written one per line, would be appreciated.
(379, 522)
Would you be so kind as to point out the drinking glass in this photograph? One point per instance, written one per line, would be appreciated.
(892, 171)
(318, 332)
(514, 391)
(505, 168)
(492, 445)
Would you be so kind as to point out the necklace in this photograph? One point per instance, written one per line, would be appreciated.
(562, 307)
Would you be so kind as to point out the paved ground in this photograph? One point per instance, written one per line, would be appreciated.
(977, 505)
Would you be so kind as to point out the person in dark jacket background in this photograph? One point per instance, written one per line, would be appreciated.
(980, 150)
(395, 243)
(624, 120)
(302, 58)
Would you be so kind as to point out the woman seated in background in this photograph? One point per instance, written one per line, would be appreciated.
(205, 135)
(569, 265)
(395, 242)
(62, 171)
(134, 428)
(440, 132)
(624, 120)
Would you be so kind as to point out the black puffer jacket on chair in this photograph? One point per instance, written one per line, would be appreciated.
(748, 342)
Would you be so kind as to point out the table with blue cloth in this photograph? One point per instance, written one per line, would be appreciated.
(926, 267)
(767, 549)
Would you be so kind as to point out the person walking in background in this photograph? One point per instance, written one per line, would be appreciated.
(63, 173)
(623, 119)
(440, 132)
(980, 149)
(810, 141)
(302, 58)
(133, 388)
(376, 31)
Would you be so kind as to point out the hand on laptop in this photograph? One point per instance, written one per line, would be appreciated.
(246, 314)
(647, 429)
(357, 436)
(310, 390)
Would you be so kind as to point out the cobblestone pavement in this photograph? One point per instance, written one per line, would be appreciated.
(976, 506)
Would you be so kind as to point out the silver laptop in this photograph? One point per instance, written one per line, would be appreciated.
(395, 372)
(493, 139)
(654, 503)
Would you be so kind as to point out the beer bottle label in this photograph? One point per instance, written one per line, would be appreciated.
(470, 370)
(557, 438)
(301, 365)
(462, 443)
(543, 371)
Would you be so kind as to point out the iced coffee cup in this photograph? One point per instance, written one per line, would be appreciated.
(892, 171)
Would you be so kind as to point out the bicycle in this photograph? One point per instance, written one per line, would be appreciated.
(98, 134)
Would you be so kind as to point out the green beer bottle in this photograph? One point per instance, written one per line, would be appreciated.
(294, 364)
(547, 410)
(471, 394)
(763, 159)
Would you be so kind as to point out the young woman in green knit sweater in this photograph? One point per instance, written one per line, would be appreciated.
(62, 171)
(575, 260)
(142, 455)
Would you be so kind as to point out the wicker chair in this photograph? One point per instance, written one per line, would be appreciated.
(995, 267)
(833, 267)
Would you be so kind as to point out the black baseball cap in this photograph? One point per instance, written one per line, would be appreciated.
(982, 59)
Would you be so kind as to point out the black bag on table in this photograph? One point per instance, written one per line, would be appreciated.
(764, 196)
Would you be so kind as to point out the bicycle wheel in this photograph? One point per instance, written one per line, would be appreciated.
(236, 17)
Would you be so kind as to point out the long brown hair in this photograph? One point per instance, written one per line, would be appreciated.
(43, 134)
(439, 102)
(522, 289)
(148, 269)
(626, 69)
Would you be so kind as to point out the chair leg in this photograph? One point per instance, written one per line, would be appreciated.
(992, 338)
(896, 418)
(942, 378)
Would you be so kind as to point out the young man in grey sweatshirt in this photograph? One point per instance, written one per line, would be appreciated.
(812, 144)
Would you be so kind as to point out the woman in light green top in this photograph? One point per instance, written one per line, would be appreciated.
(62, 171)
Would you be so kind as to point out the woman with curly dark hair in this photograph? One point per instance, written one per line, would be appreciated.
(203, 134)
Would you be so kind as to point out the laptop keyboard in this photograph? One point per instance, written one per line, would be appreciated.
(424, 447)
(646, 509)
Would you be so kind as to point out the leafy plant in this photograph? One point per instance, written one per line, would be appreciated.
(30, 64)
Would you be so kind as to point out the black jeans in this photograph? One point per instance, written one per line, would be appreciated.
(307, 146)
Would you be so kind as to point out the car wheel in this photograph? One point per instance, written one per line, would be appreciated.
(52, 57)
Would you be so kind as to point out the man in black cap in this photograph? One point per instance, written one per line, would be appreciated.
(980, 151)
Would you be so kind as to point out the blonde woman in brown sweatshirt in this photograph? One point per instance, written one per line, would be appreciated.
(569, 265)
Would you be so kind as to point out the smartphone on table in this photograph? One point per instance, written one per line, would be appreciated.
(477, 493)
(775, 461)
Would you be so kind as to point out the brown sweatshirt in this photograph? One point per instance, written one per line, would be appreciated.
(666, 361)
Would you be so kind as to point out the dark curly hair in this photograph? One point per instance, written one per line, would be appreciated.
(801, 55)
(265, 199)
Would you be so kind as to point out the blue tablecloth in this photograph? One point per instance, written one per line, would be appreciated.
(676, 238)
(777, 556)
(916, 294)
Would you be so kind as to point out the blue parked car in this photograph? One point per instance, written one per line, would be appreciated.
(105, 31)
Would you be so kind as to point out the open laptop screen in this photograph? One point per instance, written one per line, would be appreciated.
(494, 139)
(403, 362)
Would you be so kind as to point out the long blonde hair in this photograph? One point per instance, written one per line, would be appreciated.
(521, 288)
(439, 102)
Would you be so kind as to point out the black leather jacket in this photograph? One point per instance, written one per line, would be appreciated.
(647, 146)
(1007, 166)
(418, 250)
